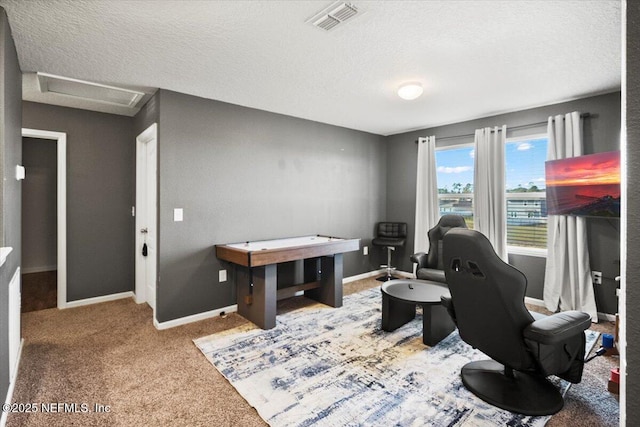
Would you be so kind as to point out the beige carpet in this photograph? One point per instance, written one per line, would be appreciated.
(110, 354)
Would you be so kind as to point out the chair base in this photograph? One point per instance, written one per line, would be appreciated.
(523, 393)
(389, 273)
(388, 266)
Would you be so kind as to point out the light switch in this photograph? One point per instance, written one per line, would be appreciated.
(222, 276)
(177, 214)
(20, 174)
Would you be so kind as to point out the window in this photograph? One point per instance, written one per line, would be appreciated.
(526, 196)
(524, 184)
(455, 181)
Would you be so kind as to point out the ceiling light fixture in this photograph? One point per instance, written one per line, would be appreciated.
(410, 91)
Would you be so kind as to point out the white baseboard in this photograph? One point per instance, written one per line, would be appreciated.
(41, 269)
(360, 276)
(12, 386)
(607, 316)
(540, 303)
(97, 300)
(401, 273)
(233, 308)
(534, 301)
(194, 317)
(376, 273)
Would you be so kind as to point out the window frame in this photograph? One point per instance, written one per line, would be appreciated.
(524, 250)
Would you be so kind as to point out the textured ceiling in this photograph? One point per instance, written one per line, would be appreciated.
(474, 58)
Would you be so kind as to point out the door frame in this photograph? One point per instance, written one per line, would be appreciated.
(149, 135)
(61, 141)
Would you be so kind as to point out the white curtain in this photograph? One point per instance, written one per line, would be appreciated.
(489, 201)
(426, 193)
(567, 281)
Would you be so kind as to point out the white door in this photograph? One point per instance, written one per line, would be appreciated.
(146, 216)
(14, 325)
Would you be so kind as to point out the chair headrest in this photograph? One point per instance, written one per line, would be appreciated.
(451, 220)
(446, 223)
(467, 242)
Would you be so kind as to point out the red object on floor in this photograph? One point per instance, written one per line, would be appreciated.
(614, 381)
(615, 375)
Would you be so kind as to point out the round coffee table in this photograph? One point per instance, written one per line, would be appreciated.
(400, 298)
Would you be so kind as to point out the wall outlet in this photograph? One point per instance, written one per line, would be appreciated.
(597, 277)
(222, 276)
(365, 250)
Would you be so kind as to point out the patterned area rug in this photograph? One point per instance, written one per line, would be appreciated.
(323, 366)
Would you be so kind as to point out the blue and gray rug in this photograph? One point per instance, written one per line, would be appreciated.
(323, 366)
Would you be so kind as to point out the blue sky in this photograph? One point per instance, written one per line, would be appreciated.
(525, 164)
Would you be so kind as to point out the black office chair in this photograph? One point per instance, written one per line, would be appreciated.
(487, 305)
(429, 266)
(390, 235)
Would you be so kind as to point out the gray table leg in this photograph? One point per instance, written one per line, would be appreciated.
(261, 310)
(396, 313)
(436, 324)
(330, 290)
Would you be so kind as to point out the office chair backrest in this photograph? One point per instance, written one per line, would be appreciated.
(488, 298)
(446, 223)
(392, 229)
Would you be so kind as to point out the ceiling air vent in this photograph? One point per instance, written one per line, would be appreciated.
(88, 90)
(333, 15)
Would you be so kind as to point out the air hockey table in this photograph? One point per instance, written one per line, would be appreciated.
(256, 264)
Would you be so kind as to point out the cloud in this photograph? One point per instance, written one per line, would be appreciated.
(524, 146)
(472, 153)
(456, 169)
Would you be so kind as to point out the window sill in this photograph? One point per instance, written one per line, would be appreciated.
(519, 250)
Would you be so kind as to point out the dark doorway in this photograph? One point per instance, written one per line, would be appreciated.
(39, 224)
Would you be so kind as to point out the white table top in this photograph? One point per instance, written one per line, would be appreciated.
(282, 243)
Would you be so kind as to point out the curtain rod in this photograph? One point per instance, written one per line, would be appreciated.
(582, 116)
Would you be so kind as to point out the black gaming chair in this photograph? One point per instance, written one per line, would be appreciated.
(429, 266)
(487, 305)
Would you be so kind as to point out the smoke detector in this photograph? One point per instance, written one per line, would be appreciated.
(88, 90)
(333, 15)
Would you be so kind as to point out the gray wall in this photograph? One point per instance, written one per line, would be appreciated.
(632, 306)
(148, 114)
(100, 188)
(245, 174)
(10, 156)
(601, 133)
(39, 203)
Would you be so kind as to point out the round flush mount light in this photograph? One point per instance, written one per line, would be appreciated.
(410, 91)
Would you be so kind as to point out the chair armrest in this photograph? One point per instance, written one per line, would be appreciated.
(420, 258)
(557, 327)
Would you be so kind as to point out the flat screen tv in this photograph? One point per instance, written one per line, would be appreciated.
(584, 185)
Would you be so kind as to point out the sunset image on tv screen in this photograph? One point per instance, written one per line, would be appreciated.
(584, 186)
